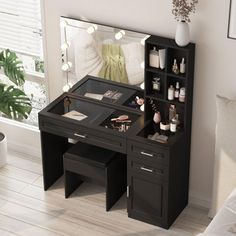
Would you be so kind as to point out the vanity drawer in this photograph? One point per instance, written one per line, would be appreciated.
(159, 172)
(86, 135)
(153, 153)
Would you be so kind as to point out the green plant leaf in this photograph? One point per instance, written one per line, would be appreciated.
(14, 103)
(12, 67)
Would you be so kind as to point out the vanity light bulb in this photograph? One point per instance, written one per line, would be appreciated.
(119, 35)
(142, 108)
(142, 86)
(63, 23)
(65, 45)
(91, 29)
(66, 88)
(66, 66)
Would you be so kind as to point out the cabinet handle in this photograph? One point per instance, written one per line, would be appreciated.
(127, 192)
(80, 135)
(147, 154)
(146, 169)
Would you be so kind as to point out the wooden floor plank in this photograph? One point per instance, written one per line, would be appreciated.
(18, 174)
(11, 184)
(22, 228)
(7, 233)
(26, 209)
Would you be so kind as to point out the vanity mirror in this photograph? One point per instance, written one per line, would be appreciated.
(93, 49)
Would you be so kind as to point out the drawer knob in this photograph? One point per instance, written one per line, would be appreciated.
(147, 154)
(146, 169)
(80, 135)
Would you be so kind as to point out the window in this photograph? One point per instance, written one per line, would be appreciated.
(20, 31)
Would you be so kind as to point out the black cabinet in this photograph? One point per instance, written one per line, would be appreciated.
(158, 173)
(147, 198)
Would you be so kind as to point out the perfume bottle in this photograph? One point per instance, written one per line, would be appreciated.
(182, 66)
(175, 68)
(172, 112)
(182, 94)
(157, 117)
(154, 60)
(177, 90)
(171, 92)
(156, 84)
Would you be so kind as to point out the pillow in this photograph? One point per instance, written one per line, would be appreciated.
(134, 56)
(225, 153)
(88, 59)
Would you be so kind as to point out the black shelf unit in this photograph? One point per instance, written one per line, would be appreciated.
(158, 173)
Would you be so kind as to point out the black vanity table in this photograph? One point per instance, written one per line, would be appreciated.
(157, 173)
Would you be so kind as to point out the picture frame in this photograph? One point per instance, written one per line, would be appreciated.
(232, 20)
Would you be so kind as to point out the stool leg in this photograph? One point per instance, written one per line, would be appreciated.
(116, 181)
(72, 181)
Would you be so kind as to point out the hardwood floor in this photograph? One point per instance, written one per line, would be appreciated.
(25, 209)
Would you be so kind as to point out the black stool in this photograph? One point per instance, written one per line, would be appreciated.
(84, 162)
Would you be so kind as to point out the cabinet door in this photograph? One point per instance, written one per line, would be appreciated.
(146, 199)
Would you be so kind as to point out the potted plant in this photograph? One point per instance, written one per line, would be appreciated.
(14, 103)
(181, 10)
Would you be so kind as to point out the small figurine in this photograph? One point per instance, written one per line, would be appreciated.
(175, 67)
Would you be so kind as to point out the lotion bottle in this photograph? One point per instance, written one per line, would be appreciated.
(154, 60)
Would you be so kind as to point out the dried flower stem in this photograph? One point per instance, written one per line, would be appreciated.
(182, 9)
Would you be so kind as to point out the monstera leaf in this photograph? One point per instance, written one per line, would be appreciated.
(12, 67)
(14, 103)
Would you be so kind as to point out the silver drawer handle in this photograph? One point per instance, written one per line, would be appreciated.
(147, 154)
(146, 169)
(80, 135)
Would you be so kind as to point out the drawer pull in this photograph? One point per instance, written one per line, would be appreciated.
(147, 154)
(146, 169)
(80, 135)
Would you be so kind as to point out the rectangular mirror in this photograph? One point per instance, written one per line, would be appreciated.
(103, 51)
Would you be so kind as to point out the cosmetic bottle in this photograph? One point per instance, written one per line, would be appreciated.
(182, 94)
(182, 66)
(177, 90)
(171, 92)
(154, 60)
(175, 68)
(156, 84)
(157, 117)
(172, 112)
(162, 57)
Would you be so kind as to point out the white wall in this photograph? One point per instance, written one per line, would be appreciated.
(214, 67)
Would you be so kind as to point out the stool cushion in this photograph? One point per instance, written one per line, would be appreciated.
(90, 154)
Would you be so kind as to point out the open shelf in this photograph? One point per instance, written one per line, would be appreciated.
(151, 128)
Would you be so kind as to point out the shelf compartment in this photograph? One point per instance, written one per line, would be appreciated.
(163, 107)
(149, 84)
(172, 81)
(109, 124)
(148, 48)
(151, 128)
(178, 55)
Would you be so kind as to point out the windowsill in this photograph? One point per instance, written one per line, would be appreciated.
(19, 124)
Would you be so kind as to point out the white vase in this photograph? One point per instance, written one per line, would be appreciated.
(182, 36)
(3, 150)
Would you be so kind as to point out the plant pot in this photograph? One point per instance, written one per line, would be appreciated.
(3, 150)
(182, 36)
